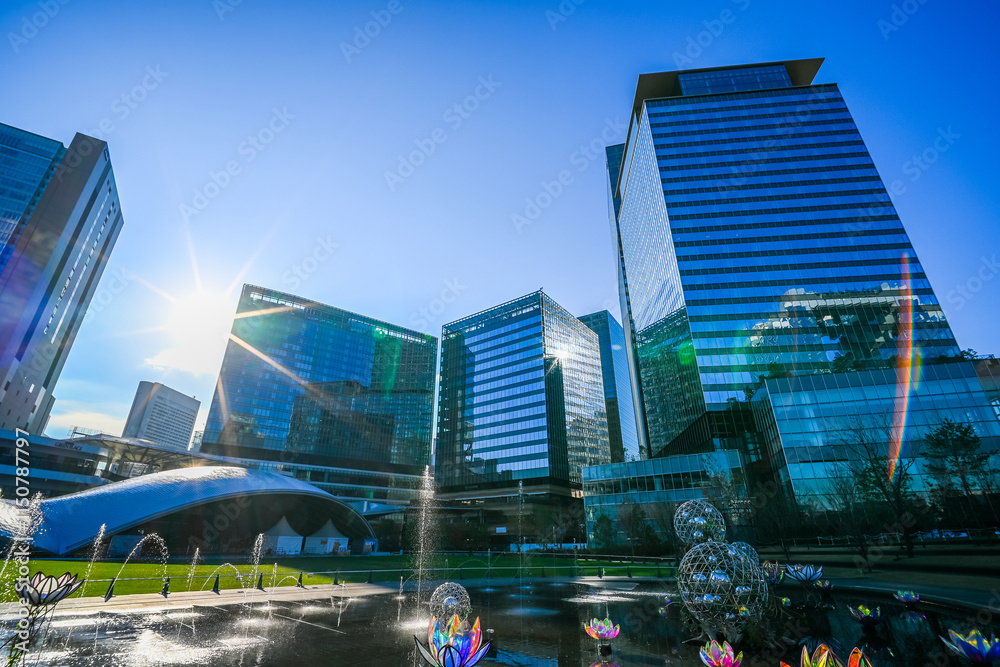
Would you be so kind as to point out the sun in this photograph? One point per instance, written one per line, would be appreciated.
(198, 325)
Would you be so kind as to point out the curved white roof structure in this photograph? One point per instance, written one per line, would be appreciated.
(73, 521)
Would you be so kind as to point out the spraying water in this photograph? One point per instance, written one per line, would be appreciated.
(426, 530)
(95, 552)
(194, 567)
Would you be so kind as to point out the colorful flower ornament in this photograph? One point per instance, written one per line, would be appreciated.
(602, 630)
(865, 615)
(43, 590)
(455, 645)
(773, 572)
(715, 654)
(974, 646)
(824, 657)
(824, 585)
(909, 597)
(805, 573)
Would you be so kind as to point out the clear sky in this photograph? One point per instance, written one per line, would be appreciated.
(309, 118)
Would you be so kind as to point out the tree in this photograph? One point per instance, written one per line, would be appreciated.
(852, 514)
(604, 532)
(776, 516)
(882, 475)
(954, 455)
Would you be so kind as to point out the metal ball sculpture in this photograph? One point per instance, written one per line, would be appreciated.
(722, 589)
(450, 599)
(697, 521)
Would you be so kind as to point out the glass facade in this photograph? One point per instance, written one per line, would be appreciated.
(520, 398)
(325, 394)
(809, 422)
(617, 386)
(756, 235)
(27, 163)
(657, 485)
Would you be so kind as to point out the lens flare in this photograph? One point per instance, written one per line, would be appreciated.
(907, 370)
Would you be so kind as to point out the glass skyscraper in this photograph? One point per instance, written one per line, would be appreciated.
(341, 400)
(755, 238)
(617, 386)
(59, 219)
(520, 401)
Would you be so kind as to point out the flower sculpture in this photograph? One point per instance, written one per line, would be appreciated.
(602, 630)
(773, 573)
(715, 654)
(824, 657)
(454, 645)
(824, 585)
(37, 596)
(43, 590)
(974, 646)
(866, 616)
(805, 573)
(785, 602)
(909, 597)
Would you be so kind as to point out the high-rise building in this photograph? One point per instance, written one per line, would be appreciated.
(335, 398)
(161, 414)
(755, 238)
(617, 386)
(59, 219)
(521, 408)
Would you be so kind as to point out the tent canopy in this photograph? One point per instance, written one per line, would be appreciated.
(282, 529)
(328, 530)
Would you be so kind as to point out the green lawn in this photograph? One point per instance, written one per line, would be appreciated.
(351, 569)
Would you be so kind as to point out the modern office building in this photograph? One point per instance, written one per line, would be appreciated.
(59, 219)
(755, 237)
(812, 425)
(162, 415)
(328, 396)
(615, 374)
(521, 410)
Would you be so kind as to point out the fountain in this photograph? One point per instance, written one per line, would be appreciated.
(194, 567)
(165, 555)
(426, 530)
(95, 552)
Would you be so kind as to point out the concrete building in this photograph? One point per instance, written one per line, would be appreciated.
(59, 219)
(162, 415)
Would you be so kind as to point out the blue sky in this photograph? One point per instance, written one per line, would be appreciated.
(298, 121)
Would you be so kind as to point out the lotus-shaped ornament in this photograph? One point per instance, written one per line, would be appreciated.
(773, 572)
(43, 589)
(824, 657)
(865, 615)
(602, 630)
(715, 654)
(456, 644)
(804, 573)
(974, 646)
(908, 597)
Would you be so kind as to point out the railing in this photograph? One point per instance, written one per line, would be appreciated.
(265, 578)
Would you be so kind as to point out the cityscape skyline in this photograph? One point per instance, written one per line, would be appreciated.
(322, 261)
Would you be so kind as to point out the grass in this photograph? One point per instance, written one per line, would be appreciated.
(147, 577)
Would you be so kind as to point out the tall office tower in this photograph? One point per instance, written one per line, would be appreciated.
(755, 237)
(617, 386)
(162, 415)
(59, 219)
(341, 400)
(520, 405)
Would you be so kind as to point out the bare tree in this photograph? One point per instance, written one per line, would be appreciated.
(882, 475)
